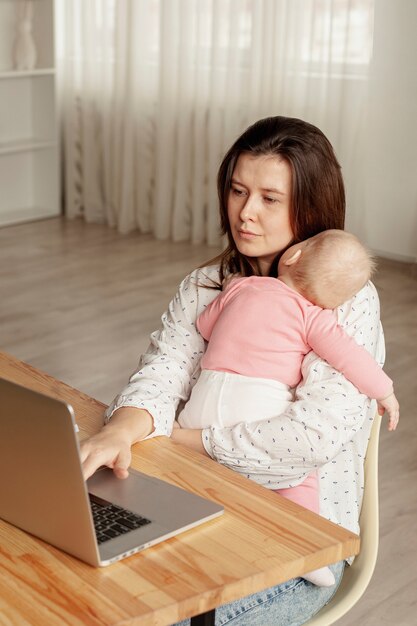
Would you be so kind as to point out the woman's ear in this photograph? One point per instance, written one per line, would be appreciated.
(294, 258)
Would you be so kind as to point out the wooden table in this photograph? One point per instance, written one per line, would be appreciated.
(261, 540)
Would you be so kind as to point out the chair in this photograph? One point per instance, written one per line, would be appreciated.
(356, 577)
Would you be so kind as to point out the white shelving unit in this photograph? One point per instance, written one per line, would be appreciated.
(29, 145)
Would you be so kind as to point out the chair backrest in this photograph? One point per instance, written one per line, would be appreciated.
(356, 577)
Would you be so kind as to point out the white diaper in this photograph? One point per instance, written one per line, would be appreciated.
(224, 399)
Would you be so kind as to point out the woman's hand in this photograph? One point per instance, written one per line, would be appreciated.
(111, 446)
(189, 437)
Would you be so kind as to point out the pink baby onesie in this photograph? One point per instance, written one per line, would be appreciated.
(260, 327)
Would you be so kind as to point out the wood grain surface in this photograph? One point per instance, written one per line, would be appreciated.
(261, 540)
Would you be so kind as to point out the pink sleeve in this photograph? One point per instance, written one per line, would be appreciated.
(330, 342)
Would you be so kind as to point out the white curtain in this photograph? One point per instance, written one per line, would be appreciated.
(153, 93)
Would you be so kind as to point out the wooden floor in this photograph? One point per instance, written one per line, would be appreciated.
(79, 302)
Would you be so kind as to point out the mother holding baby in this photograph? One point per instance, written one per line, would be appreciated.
(279, 184)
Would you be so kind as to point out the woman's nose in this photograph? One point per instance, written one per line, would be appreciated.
(248, 211)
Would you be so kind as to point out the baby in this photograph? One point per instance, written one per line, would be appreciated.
(260, 328)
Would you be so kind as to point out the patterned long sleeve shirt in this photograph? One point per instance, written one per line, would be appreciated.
(326, 428)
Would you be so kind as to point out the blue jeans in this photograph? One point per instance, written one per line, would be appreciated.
(290, 604)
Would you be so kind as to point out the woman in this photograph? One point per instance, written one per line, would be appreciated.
(280, 183)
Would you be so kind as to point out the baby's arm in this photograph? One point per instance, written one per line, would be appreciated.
(330, 341)
(391, 406)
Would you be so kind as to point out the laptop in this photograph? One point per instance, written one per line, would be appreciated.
(42, 489)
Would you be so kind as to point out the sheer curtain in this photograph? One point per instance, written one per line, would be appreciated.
(154, 92)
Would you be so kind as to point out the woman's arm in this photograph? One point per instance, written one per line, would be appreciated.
(168, 370)
(190, 437)
(171, 364)
(327, 412)
(112, 445)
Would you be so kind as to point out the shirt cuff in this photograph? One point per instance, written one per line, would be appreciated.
(161, 422)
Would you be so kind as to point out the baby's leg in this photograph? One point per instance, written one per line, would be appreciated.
(307, 495)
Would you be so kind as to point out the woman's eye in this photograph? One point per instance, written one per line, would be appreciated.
(270, 200)
(237, 192)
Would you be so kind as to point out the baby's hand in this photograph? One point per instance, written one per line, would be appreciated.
(391, 406)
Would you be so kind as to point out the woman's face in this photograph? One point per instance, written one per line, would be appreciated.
(259, 207)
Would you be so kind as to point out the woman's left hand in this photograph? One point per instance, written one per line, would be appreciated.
(189, 437)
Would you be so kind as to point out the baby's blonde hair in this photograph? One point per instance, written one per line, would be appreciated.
(334, 265)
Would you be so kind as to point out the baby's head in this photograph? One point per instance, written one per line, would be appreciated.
(327, 269)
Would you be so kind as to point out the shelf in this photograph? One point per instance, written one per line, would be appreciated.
(24, 145)
(29, 182)
(47, 71)
(29, 132)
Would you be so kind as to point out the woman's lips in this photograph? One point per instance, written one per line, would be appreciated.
(247, 234)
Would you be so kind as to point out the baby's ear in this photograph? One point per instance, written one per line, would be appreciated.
(294, 258)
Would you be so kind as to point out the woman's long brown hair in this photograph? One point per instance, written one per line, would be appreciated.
(317, 194)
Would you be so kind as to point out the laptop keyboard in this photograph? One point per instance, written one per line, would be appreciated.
(111, 520)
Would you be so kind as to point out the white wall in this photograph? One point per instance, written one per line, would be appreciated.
(391, 191)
